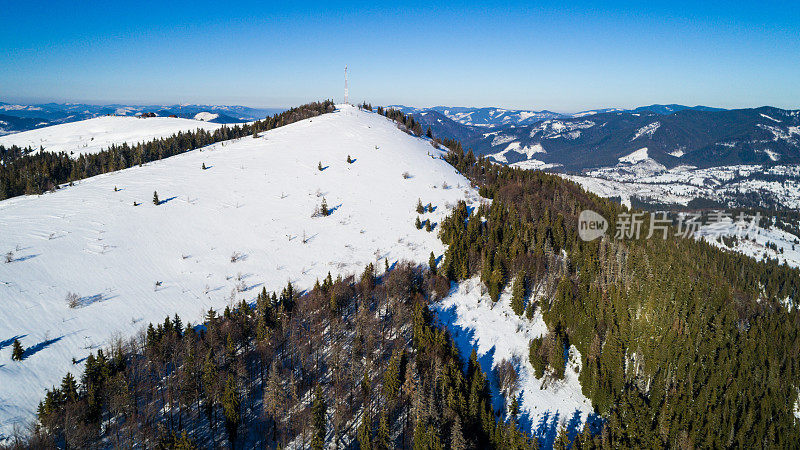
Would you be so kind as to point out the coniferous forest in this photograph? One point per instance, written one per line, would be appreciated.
(683, 345)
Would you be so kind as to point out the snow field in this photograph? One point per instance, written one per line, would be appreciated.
(218, 236)
(93, 135)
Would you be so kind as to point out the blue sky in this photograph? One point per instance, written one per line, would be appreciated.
(563, 56)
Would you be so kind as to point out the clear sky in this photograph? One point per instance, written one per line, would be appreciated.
(562, 56)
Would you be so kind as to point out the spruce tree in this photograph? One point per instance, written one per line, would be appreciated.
(383, 440)
(323, 209)
(230, 406)
(17, 352)
(319, 416)
(365, 432)
(418, 223)
(432, 262)
(420, 208)
(155, 198)
(349, 160)
(204, 166)
(319, 166)
(428, 226)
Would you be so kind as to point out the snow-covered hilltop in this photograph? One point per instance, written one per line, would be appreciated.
(94, 135)
(219, 235)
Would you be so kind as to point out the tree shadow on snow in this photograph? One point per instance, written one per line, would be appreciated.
(524, 419)
(91, 299)
(167, 200)
(253, 286)
(30, 351)
(9, 341)
(25, 258)
(547, 430)
(466, 343)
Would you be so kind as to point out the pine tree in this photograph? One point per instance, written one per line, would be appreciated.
(420, 208)
(513, 409)
(562, 440)
(457, 441)
(17, 352)
(428, 226)
(365, 432)
(319, 416)
(383, 440)
(204, 166)
(115, 189)
(432, 262)
(155, 198)
(429, 134)
(323, 208)
(349, 160)
(319, 166)
(418, 223)
(230, 407)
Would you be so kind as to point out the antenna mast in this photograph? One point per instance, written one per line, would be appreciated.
(346, 99)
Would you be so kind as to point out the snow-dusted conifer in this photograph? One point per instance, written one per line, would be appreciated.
(17, 352)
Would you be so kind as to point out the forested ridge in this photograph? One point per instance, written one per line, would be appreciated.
(358, 358)
(683, 345)
(24, 172)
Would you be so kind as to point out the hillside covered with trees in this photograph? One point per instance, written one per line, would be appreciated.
(683, 345)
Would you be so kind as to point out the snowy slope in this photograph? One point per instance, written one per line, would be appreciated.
(256, 199)
(94, 135)
(496, 333)
(752, 241)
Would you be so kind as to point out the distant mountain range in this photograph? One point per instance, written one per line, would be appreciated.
(500, 117)
(16, 117)
(672, 134)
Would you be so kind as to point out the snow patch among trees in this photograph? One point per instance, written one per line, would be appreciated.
(497, 334)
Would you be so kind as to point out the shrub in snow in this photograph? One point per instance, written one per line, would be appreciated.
(73, 300)
(406, 175)
(9, 257)
(322, 210)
